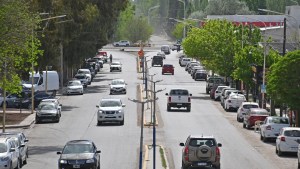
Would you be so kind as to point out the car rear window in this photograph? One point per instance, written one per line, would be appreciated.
(292, 133)
(179, 92)
(248, 106)
(202, 141)
(278, 120)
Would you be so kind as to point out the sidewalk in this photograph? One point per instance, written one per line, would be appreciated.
(26, 123)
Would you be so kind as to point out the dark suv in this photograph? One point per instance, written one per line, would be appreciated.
(201, 151)
(157, 60)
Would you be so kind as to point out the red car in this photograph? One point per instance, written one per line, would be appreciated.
(167, 68)
(253, 115)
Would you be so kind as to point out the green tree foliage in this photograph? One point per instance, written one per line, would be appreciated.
(138, 29)
(226, 7)
(90, 26)
(254, 5)
(280, 5)
(214, 45)
(178, 31)
(284, 80)
(18, 47)
(124, 19)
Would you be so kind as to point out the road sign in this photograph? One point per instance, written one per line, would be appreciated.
(141, 53)
(263, 89)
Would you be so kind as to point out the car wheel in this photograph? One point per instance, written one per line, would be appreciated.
(168, 108)
(261, 137)
(244, 125)
(298, 164)
(30, 106)
(264, 139)
(279, 152)
(188, 109)
(217, 166)
(37, 121)
(25, 161)
(18, 165)
(248, 127)
(122, 122)
(184, 166)
(98, 165)
(207, 92)
(237, 119)
(99, 123)
(11, 167)
(172, 73)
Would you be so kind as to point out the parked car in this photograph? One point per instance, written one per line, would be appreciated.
(83, 78)
(88, 73)
(184, 61)
(21, 144)
(191, 64)
(180, 58)
(47, 111)
(271, 127)
(110, 110)
(79, 154)
(116, 66)
(157, 60)
(74, 87)
(200, 151)
(9, 100)
(226, 95)
(38, 97)
(166, 49)
(288, 140)
(244, 107)
(253, 115)
(118, 86)
(218, 92)
(200, 75)
(9, 154)
(122, 43)
(179, 98)
(233, 101)
(211, 81)
(167, 68)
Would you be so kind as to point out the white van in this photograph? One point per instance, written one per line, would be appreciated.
(166, 49)
(39, 81)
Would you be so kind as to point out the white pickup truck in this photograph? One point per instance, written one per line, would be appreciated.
(179, 98)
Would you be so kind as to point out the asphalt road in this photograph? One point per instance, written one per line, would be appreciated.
(241, 149)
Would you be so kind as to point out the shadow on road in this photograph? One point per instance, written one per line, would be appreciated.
(35, 150)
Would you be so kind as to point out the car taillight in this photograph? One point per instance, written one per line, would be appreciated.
(189, 99)
(268, 128)
(282, 138)
(169, 99)
(186, 153)
(217, 153)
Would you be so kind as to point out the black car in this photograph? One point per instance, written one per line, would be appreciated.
(157, 60)
(25, 102)
(81, 154)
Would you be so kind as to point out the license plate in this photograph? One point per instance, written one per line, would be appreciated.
(179, 104)
(76, 166)
(202, 164)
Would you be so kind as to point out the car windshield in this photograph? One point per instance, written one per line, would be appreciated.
(179, 92)
(278, 120)
(80, 77)
(216, 80)
(248, 106)
(46, 107)
(202, 141)
(115, 63)
(35, 80)
(110, 103)
(83, 71)
(292, 133)
(3, 148)
(74, 83)
(78, 148)
(117, 82)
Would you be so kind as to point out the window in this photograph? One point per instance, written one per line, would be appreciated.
(248, 106)
(202, 141)
(278, 120)
(292, 133)
(179, 92)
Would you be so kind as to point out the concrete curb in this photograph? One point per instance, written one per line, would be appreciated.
(26, 123)
(146, 157)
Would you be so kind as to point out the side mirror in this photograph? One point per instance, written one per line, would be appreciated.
(60, 104)
(12, 150)
(219, 145)
(167, 94)
(190, 94)
(97, 106)
(98, 151)
(58, 152)
(26, 141)
(181, 144)
(22, 145)
(123, 105)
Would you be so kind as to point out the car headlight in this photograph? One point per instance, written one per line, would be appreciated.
(4, 158)
(63, 161)
(90, 161)
(25, 101)
(100, 111)
(120, 111)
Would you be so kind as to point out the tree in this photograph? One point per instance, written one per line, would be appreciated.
(284, 81)
(138, 29)
(226, 7)
(17, 45)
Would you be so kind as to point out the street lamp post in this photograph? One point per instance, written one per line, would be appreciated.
(142, 130)
(184, 16)
(154, 121)
(151, 87)
(154, 7)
